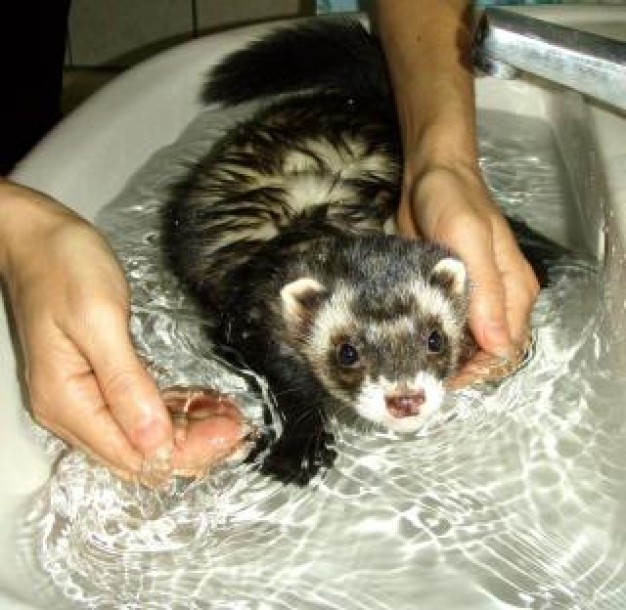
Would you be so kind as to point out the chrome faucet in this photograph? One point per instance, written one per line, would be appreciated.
(507, 42)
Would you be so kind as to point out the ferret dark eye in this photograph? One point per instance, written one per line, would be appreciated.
(347, 354)
(435, 342)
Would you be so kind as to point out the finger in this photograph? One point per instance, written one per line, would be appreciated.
(207, 442)
(112, 462)
(128, 390)
(522, 289)
(483, 368)
(405, 221)
(79, 416)
(473, 372)
(487, 314)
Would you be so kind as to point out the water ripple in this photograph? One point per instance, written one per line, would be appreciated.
(512, 498)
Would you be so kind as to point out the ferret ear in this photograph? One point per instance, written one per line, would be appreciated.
(451, 275)
(301, 300)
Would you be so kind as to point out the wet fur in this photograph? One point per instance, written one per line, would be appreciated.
(287, 211)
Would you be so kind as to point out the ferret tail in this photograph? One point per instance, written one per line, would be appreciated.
(324, 53)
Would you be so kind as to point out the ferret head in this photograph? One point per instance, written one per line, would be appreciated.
(385, 350)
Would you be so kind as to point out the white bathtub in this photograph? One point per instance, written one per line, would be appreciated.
(86, 161)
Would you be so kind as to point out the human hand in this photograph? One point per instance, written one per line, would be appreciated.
(71, 306)
(70, 302)
(451, 205)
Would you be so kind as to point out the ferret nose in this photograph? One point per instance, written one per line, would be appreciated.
(405, 404)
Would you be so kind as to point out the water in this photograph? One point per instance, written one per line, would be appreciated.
(514, 498)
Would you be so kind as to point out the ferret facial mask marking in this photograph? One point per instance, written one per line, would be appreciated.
(390, 370)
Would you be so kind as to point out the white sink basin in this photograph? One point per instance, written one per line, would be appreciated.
(87, 160)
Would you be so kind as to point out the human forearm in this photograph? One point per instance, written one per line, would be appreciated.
(427, 44)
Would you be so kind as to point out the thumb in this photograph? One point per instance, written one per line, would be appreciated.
(488, 319)
(487, 314)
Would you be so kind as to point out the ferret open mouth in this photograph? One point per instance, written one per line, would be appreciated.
(405, 405)
(399, 406)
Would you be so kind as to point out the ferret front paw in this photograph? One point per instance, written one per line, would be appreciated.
(294, 459)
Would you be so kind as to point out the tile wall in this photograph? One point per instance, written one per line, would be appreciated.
(118, 33)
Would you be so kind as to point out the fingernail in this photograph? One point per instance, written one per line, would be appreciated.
(156, 468)
(153, 478)
(162, 456)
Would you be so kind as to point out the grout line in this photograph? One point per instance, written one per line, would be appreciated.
(69, 55)
(194, 18)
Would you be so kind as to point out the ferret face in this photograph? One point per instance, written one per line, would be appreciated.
(388, 360)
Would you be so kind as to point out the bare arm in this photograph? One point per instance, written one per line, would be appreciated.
(444, 198)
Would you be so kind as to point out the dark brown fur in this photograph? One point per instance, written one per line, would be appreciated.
(278, 232)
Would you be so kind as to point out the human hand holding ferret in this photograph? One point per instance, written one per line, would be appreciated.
(71, 306)
(444, 198)
(452, 206)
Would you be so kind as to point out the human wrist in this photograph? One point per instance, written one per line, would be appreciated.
(25, 214)
(437, 157)
(9, 207)
(439, 188)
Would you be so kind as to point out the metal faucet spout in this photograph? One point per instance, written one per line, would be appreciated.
(506, 41)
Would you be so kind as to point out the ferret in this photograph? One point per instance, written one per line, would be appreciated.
(282, 233)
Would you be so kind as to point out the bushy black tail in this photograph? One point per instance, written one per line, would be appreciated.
(322, 53)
